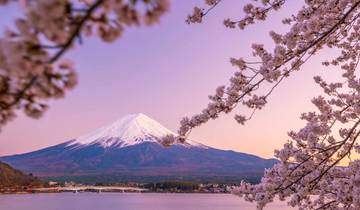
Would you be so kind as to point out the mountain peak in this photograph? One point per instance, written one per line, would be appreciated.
(128, 130)
(136, 116)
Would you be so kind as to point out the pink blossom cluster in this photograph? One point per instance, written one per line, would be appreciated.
(317, 25)
(309, 175)
(199, 13)
(31, 68)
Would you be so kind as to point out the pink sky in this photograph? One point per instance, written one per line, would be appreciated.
(166, 72)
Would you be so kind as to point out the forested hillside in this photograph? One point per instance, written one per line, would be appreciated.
(12, 178)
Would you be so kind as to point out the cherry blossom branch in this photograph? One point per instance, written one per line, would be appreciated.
(63, 49)
(313, 46)
(32, 71)
(89, 12)
(309, 161)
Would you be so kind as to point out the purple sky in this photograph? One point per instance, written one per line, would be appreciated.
(166, 72)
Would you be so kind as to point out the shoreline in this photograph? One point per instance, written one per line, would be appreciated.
(102, 190)
(210, 189)
(147, 192)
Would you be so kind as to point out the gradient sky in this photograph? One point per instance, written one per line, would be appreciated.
(166, 72)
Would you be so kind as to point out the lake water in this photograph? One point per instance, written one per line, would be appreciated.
(128, 201)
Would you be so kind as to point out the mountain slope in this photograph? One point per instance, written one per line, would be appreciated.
(13, 178)
(129, 149)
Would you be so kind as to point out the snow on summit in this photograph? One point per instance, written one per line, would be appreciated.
(130, 130)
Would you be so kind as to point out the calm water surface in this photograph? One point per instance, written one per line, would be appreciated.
(128, 201)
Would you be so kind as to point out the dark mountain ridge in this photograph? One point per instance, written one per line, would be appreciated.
(129, 150)
(12, 178)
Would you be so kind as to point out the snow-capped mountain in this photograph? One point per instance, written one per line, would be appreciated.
(129, 130)
(129, 149)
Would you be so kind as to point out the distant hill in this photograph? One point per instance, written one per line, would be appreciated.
(129, 150)
(12, 178)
